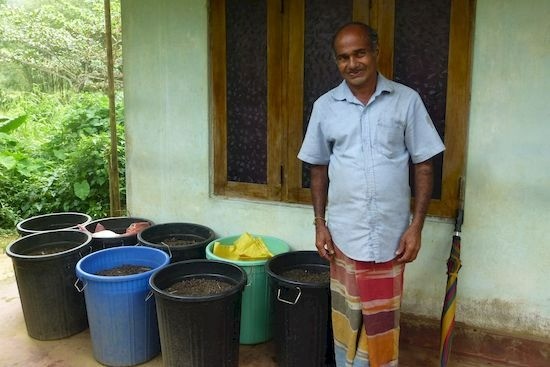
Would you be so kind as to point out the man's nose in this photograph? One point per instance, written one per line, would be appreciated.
(352, 61)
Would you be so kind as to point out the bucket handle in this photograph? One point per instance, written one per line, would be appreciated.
(90, 248)
(80, 290)
(149, 295)
(286, 301)
(168, 247)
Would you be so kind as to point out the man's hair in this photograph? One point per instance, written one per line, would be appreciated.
(369, 32)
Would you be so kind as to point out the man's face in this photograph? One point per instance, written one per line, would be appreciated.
(355, 58)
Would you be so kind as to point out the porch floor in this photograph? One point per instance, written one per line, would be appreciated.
(18, 349)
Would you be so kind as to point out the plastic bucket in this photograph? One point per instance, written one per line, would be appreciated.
(182, 241)
(52, 307)
(52, 221)
(199, 331)
(121, 310)
(256, 304)
(117, 225)
(302, 331)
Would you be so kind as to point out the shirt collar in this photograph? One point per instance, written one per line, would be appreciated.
(342, 91)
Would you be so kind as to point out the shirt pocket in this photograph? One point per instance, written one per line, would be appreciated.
(390, 137)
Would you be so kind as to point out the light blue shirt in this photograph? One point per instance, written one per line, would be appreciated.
(367, 150)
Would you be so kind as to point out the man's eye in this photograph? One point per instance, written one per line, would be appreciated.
(341, 58)
(361, 53)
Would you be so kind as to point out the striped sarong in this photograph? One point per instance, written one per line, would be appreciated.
(366, 298)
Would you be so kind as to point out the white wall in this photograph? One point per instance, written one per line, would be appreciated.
(503, 283)
(506, 237)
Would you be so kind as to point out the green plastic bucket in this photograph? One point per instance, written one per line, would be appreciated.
(256, 299)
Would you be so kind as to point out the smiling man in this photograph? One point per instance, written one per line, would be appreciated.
(359, 141)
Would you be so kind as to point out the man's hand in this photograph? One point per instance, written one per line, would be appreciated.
(319, 190)
(409, 245)
(323, 241)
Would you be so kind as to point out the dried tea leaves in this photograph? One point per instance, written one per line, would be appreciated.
(124, 270)
(302, 275)
(197, 287)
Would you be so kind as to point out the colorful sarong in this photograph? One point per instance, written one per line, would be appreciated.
(366, 299)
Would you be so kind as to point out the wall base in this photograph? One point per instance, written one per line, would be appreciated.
(493, 346)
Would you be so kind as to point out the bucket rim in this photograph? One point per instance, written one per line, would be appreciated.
(290, 282)
(15, 255)
(172, 248)
(120, 235)
(235, 288)
(20, 226)
(210, 253)
(121, 217)
(84, 275)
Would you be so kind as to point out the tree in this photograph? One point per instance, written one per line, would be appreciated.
(59, 44)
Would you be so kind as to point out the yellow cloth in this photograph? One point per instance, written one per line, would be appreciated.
(246, 247)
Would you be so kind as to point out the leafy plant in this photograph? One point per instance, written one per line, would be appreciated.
(6, 237)
(57, 45)
(55, 138)
(7, 125)
(68, 171)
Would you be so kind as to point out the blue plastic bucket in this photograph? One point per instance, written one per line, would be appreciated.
(121, 310)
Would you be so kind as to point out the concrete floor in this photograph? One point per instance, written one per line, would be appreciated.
(18, 349)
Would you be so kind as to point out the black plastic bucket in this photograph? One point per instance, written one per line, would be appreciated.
(118, 225)
(52, 307)
(182, 241)
(52, 221)
(302, 327)
(199, 331)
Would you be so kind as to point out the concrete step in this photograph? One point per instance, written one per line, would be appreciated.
(414, 356)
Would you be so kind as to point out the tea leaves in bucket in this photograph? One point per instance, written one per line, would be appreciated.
(197, 287)
(124, 270)
(303, 275)
(51, 248)
(182, 240)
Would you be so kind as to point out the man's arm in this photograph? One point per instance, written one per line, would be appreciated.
(410, 242)
(319, 193)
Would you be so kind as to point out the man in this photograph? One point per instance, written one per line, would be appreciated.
(359, 140)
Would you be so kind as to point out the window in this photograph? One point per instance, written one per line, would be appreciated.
(271, 59)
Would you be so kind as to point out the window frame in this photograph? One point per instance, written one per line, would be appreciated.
(458, 92)
(222, 186)
(285, 65)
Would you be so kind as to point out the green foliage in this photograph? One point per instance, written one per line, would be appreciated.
(7, 236)
(57, 45)
(67, 168)
(7, 125)
(55, 138)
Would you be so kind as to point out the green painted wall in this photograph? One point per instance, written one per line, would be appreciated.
(503, 283)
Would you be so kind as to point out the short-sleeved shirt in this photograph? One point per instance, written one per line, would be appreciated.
(367, 150)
